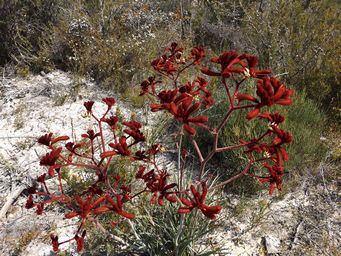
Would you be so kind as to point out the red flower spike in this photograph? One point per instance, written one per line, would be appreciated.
(45, 139)
(41, 178)
(253, 113)
(40, 208)
(60, 138)
(79, 242)
(273, 118)
(252, 62)
(109, 101)
(70, 215)
(117, 207)
(121, 147)
(157, 184)
(55, 244)
(91, 135)
(197, 53)
(50, 158)
(88, 105)
(29, 203)
(147, 84)
(197, 201)
(274, 179)
(230, 63)
(111, 121)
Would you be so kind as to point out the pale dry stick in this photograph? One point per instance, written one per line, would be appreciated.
(10, 199)
(296, 236)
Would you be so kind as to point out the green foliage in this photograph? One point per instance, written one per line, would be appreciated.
(303, 44)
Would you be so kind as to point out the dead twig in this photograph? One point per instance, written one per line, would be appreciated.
(10, 199)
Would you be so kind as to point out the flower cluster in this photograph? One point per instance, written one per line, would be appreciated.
(109, 193)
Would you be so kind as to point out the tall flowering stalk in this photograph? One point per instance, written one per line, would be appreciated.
(110, 194)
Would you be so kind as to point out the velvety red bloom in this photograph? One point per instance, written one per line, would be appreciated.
(154, 149)
(45, 139)
(48, 141)
(274, 118)
(50, 158)
(134, 131)
(80, 241)
(182, 113)
(109, 101)
(157, 184)
(252, 62)
(163, 65)
(111, 121)
(140, 155)
(270, 91)
(148, 84)
(29, 203)
(40, 208)
(117, 207)
(91, 135)
(121, 147)
(55, 244)
(198, 201)
(41, 178)
(166, 98)
(140, 172)
(88, 105)
(197, 53)
(282, 136)
(230, 63)
(276, 172)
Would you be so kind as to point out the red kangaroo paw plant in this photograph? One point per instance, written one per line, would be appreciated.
(111, 139)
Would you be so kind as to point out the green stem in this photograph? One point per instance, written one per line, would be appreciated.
(180, 178)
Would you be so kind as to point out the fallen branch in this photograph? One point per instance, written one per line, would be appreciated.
(10, 199)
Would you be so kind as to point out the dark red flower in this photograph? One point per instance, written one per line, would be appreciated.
(251, 71)
(270, 91)
(182, 113)
(55, 243)
(148, 84)
(111, 121)
(88, 105)
(276, 172)
(109, 101)
(157, 184)
(164, 65)
(121, 147)
(41, 178)
(80, 241)
(166, 98)
(50, 158)
(45, 139)
(197, 53)
(230, 63)
(91, 135)
(40, 208)
(29, 203)
(117, 207)
(134, 131)
(274, 118)
(48, 141)
(282, 136)
(198, 201)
